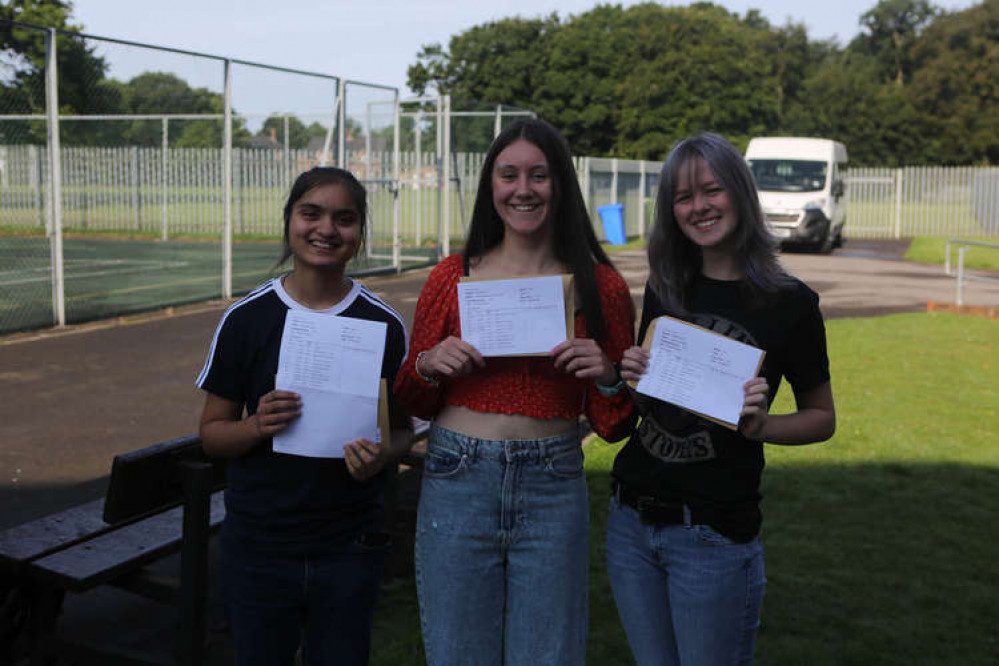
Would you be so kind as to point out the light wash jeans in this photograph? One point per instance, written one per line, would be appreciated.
(501, 551)
(687, 595)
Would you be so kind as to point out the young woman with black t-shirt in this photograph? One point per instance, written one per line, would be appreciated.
(683, 548)
(302, 546)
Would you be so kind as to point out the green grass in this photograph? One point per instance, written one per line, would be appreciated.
(933, 250)
(880, 543)
(633, 244)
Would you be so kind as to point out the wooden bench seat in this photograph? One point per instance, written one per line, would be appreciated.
(106, 556)
(161, 499)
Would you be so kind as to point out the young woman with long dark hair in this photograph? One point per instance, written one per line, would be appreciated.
(501, 543)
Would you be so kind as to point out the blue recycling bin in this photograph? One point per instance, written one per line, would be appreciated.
(612, 216)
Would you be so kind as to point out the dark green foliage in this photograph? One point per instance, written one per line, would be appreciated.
(917, 86)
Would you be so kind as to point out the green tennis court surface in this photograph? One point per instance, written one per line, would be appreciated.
(109, 277)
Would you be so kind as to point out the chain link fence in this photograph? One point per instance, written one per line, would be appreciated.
(164, 183)
(162, 180)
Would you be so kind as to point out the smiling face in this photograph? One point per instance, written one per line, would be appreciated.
(702, 208)
(522, 188)
(324, 229)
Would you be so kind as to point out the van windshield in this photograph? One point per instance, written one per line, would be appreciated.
(789, 175)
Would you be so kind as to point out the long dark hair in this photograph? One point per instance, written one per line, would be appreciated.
(319, 177)
(573, 241)
(675, 261)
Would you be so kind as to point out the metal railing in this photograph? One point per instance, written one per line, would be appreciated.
(961, 274)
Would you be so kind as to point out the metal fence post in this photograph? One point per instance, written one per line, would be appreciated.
(341, 130)
(397, 191)
(418, 178)
(446, 175)
(164, 165)
(133, 172)
(55, 178)
(960, 275)
(227, 185)
(641, 199)
(36, 177)
(440, 177)
(614, 167)
(898, 203)
(289, 172)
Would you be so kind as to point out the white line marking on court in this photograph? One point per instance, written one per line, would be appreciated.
(113, 267)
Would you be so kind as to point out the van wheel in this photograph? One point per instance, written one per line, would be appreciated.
(838, 241)
(826, 245)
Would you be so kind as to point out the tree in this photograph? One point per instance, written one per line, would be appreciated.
(694, 69)
(298, 133)
(82, 86)
(166, 93)
(630, 82)
(848, 101)
(579, 89)
(493, 62)
(498, 62)
(955, 83)
(892, 26)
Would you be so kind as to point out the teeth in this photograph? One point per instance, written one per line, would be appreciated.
(705, 223)
(524, 208)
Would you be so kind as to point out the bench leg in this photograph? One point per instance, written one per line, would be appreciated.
(197, 481)
(46, 603)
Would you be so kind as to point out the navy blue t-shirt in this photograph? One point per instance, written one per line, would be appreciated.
(277, 501)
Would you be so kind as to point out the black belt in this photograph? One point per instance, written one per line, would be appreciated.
(650, 510)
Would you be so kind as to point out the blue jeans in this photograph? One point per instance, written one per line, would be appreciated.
(325, 603)
(501, 551)
(687, 595)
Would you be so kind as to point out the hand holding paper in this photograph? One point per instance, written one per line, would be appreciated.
(755, 409)
(364, 458)
(276, 410)
(451, 357)
(584, 358)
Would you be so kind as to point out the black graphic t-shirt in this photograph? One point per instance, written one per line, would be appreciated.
(674, 455)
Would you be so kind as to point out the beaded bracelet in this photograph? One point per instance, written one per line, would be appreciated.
(428, 379)
(613, 389)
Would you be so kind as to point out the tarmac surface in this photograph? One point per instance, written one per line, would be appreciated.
(71, 398)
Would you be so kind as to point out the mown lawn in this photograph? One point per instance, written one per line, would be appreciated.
(881, 543)
(933, 250)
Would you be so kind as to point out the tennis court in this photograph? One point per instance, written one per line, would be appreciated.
(111, 276)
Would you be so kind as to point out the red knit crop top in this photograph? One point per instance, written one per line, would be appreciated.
(525, 385)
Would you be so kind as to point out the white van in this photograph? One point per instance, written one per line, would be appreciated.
(801, 189)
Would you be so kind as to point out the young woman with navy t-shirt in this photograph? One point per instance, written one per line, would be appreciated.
(302, 546)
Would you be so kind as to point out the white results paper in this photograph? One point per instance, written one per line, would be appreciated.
(699, 370)
(335, 364)
(516, 316)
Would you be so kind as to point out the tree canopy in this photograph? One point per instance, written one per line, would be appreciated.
(918, 85)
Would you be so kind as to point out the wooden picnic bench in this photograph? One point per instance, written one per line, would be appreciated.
(161, 500)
